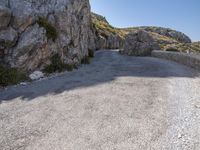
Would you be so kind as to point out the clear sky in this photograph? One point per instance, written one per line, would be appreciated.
(181, 15)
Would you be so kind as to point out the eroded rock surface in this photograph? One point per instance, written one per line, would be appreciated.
(68, 19)
(8, 38)
(5, 15)
(167, 32)
(139, 43)
(104, 36)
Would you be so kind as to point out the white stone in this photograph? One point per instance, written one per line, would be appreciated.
(180, 136)
(197, 105)
(23, 83)
(36, 75)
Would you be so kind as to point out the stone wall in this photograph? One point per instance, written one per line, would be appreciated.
(190, 60)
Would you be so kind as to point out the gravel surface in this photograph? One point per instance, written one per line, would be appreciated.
(115, 103)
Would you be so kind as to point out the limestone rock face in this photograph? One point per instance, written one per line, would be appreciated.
(8, 38)
(139, 43)
(103, 35)
(5, 15)
(4, 3)
(32, 48)
(110, 42)
(179, 36)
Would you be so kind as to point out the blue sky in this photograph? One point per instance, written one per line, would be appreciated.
(181, 15)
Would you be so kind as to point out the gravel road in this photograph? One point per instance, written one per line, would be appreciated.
(115, 103)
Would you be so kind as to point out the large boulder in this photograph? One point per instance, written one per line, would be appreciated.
(5, 15)
(103, 35)
(139, 43)
(36, 75)
(179, 36)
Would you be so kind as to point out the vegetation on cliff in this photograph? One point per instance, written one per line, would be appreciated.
(10, 76)
(101, 25)
(168, 39)
(57, 65)
(51, 31)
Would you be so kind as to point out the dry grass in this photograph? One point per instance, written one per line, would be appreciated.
(104, 28)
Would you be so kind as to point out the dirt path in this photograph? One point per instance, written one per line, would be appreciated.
(115, 103)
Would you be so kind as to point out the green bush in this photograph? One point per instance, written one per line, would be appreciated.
(171, 49)
(11, 76)
(51, 31)
(85, 60)
(90, 53)
(58, 66)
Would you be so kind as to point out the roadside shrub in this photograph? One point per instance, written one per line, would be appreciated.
(171, 49)
(11, 76)
(51, 31)
(58, 66)
(90, 53)
(85, 60)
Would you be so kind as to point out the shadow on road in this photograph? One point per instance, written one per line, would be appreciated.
(105, 67)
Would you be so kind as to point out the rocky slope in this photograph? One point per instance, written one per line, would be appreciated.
(105, 36)
(176, 35)
(169, 40)
(166, 38)
(32, 31)
(139, 43)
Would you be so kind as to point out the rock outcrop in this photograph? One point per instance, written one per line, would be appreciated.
(104, 35)
(176, 35)
(110, 42)
(39, 29)
(179, 36)
(139, 43)
(5, 16)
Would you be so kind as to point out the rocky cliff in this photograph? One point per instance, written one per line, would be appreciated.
(32, 31)
(139, 43)
(167, 32)
(104, 35)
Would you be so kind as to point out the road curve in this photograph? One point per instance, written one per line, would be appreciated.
(115, 103)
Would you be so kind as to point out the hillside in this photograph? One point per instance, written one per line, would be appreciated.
(104, 28)
(105, 35)
(167, 32)
(167, 39)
